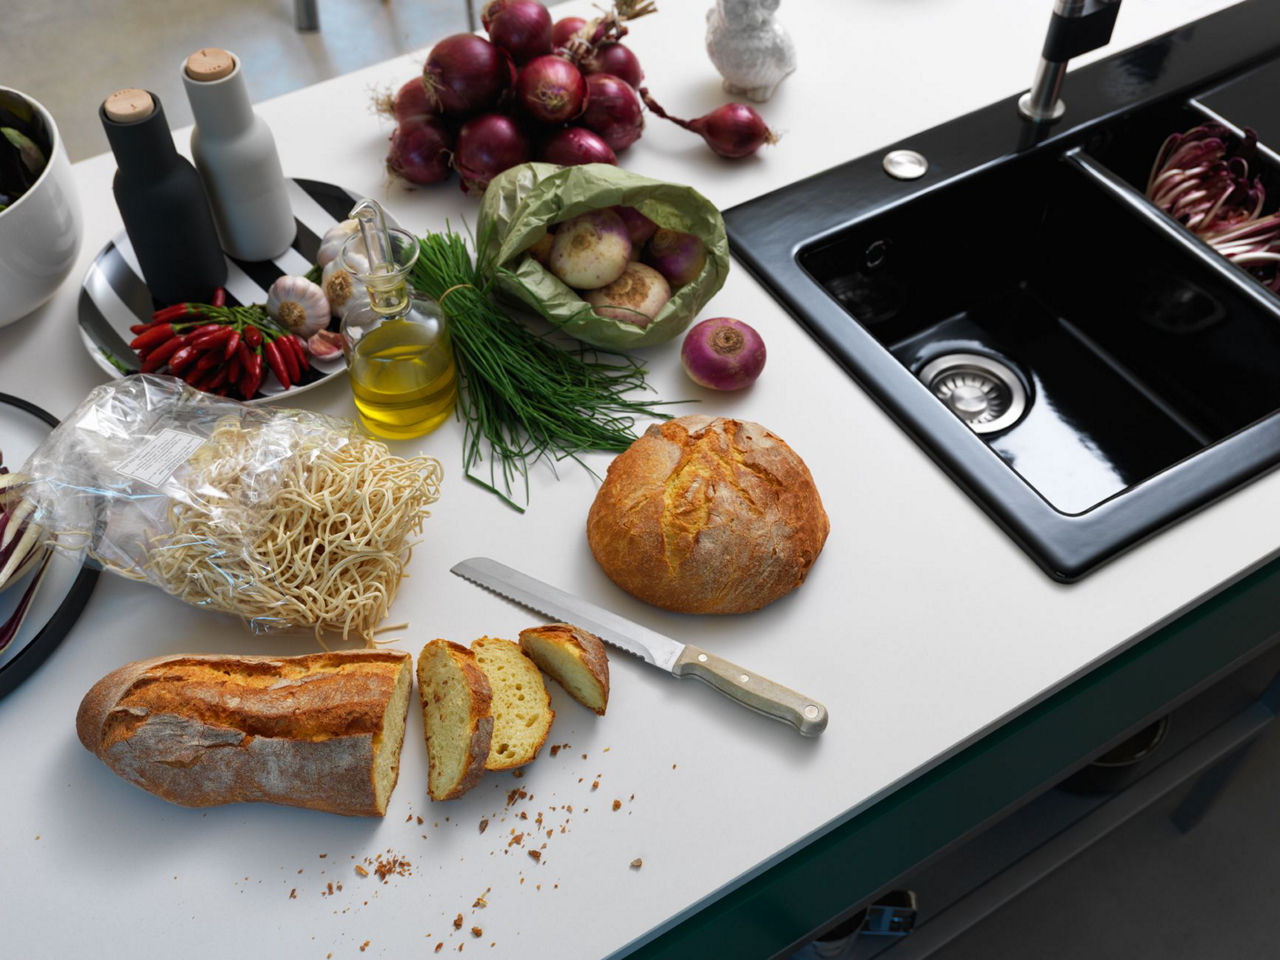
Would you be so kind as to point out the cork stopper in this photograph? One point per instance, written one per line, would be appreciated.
(129, 105)
(210, 63)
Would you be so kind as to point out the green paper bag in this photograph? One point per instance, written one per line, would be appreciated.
(522, 202)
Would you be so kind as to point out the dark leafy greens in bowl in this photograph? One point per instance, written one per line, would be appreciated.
(25, 146)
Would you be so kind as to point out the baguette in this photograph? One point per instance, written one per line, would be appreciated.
(573, 658)
(522, 711)
(457, 718)
(321, 731)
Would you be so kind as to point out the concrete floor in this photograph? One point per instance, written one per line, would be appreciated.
(104, 46)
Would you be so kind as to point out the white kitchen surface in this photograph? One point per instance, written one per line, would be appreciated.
(920, 627)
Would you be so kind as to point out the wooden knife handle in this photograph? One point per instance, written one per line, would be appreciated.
(751, 690)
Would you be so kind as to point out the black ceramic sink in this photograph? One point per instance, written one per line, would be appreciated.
(1082, 364)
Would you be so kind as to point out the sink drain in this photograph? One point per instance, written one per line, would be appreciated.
(982, 392)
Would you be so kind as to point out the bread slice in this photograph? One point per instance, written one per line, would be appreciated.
(574, 658)
(522, 711)
(456, 716)
(322, 730)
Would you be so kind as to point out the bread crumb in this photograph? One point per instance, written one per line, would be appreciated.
(409, 818)
(419, 819)
(457, 922)
(637, 863)
(536, 854)
(323, 855)
(606, 749)
(293, 894)
(555, 748)
(361, 870)
(364, 946)
(617, 805)
(439, 946)
(480, 903)
(595, 784)
(477, 932)
(518, 772)
(484, 824)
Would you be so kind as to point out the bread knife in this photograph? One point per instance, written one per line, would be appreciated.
(679, 659)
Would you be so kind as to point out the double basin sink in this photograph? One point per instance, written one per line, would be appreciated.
(1082, 364)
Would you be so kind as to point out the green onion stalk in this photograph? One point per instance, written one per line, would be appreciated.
(522, 396)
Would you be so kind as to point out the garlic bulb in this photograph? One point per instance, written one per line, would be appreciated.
(342, 287)
(333, 240)
(298, 305)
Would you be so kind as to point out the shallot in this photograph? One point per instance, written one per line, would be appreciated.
(486, 146)
(572, 146)
(591, 250)
(522, 28)
(679, 257)
(613, 111)
(634, 298)
(733, 130)
(722, 354)
(551, 90)
(465, 74)
(420, 150)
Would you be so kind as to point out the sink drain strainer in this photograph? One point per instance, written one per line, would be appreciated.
(982, 392)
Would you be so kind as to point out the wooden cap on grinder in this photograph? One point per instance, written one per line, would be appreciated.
(210, 63)
(129, 105)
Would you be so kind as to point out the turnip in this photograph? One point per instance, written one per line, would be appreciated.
(679, 257)
(634, 298)
(590, 250)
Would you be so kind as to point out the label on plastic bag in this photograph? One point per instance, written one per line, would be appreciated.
(155, 462)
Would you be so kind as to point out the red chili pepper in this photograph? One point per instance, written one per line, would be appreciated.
(249, 385)
(152, 338)
(158, 357)
(200, 380)
(233, 344)
(175, 312)
(252, 336)
(276, 362)
(206, 329)
(182, 359)
(235, 369)
(287, 357)
(220, 297)
(220, 377)
(142, 327)
(208, 360)
(300, 351)
(214, 342)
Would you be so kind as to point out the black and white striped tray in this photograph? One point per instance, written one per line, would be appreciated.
(114, 297)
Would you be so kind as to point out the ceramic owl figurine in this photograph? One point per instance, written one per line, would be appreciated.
(752, 51)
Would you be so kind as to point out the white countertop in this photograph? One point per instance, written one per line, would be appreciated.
(920, 627)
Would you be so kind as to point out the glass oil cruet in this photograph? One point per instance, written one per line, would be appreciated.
(398, 355)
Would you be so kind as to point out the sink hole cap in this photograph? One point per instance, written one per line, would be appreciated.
(983, 392)
(905, 164)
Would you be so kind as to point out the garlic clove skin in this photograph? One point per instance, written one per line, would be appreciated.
(342, 287)
(334, 239)
(325, 345)
(298, 305)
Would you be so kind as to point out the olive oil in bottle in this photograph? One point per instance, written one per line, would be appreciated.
(398, 355)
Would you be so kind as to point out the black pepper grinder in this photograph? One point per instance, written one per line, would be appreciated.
(161, 201)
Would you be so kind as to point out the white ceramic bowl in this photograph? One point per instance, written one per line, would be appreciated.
(39, 233)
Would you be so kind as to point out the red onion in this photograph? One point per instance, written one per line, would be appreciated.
(679, 257)
(551, 89)
(487, 145)
(639, 227)
(734, 130)
(575, 145)
(410, 100)
(420, 150)
(491, 10)
(613, 110)
(565, 30)
(465, 74)
(522, 28)
(615, 59)
(722, 354)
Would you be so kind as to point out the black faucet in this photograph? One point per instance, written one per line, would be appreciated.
(1077, 26)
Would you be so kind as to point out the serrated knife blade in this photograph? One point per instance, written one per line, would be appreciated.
(679, 659)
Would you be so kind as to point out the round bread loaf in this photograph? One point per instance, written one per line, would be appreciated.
(707, 515)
